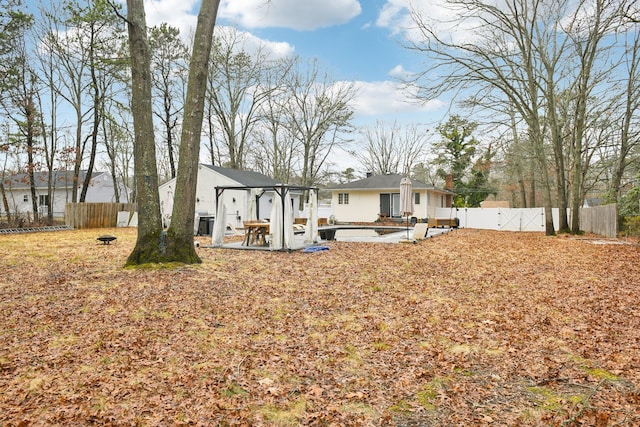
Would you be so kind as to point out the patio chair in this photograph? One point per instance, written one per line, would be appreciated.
(420, 231)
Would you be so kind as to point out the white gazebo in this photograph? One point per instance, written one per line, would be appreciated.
(281, 215)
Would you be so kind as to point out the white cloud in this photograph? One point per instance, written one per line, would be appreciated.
(399, 71)
(253, 45)
(388, 97)
(181, 14)
(396, 16)
(295, 14)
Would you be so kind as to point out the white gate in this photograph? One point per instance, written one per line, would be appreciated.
(496, 218)
(521, 219)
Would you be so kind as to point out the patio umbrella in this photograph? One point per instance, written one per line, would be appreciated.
(219, 225)
(406, 200)
(311, 231)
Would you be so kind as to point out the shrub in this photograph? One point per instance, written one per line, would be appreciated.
(631, 226)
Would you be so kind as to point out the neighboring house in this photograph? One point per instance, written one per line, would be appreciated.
(495, 204)
(236, 200)
(377, 196)
(18, 191)
(591, 202)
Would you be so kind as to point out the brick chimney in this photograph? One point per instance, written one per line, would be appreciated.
(448, 182)
(448, 185)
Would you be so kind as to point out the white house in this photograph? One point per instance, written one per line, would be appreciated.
(241, 187)
(18, 191)
(376, 196)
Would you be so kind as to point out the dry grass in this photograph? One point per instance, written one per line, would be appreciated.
(469, 328)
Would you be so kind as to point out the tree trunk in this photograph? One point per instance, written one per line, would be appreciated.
(169, 125)
(576, 196)
(588, 47)
(97, 109)
(180, 247)
(5, 202)
(533, 187)
(149, 246)
(79, 151)
(563, 223)
(538, 141)
(30, 114)
(558, 152)
(112, 164)
(518, 162)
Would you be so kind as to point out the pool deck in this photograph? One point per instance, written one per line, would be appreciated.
(346, 233)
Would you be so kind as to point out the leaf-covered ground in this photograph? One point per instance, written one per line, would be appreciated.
(469, 328)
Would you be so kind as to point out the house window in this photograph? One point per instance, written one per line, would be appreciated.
(416, 198)
(343, 198)
(43, 200)
(25, 198)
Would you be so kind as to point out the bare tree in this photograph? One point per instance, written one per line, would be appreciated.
(169, 68)
(520, 166)
(629, 134)
(495, 69)
(593, 22)
(102, 36)
(176, 245)
(27, 119)
(118, 142)
(14, 22)
(82, 39)
(318, 117)
(541, 60)
(50, 80)
(21, 104)
(236, 89)
(388, 148)
(276, 150)
(148, 248)
(179, 247)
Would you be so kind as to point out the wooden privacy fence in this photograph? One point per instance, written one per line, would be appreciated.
(601, 220)
(95, 215)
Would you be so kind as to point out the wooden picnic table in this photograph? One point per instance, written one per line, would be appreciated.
(255, 232)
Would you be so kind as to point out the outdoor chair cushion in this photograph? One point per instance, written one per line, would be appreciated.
(420, 231)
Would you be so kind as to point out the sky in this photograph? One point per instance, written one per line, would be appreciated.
(359, 41)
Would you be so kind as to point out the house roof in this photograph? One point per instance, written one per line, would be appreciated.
(389, 181)
(245, 178)
(61, 179)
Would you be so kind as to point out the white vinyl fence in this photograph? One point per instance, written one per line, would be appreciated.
(600, 220)
(506, 219)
